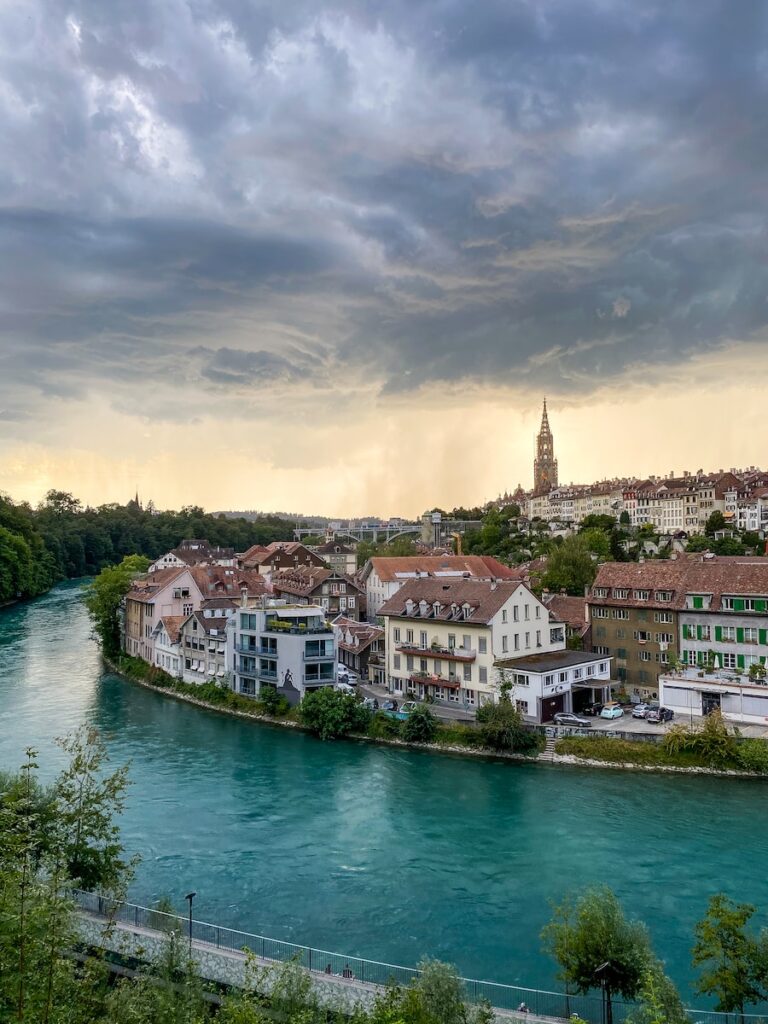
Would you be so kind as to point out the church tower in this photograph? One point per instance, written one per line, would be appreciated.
(545, 463)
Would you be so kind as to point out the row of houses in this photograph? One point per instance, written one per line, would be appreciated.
(673, 505)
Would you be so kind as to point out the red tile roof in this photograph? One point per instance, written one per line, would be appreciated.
(483, 597)
(482, 567)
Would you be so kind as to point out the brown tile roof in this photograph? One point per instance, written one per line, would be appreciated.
(333, 547)
(738, 575)
(305, 579)
(571, 610)
(475, 566)
(484, 598)
(223, 581)
(363, 632)
(145, 588)
(172, 625)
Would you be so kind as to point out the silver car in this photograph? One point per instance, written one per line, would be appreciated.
(566, 718)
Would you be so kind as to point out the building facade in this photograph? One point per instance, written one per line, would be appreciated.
(443, 636)
(334, 592)
(289, 647)
(544, 685)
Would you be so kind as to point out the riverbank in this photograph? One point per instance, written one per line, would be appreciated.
(454, 740)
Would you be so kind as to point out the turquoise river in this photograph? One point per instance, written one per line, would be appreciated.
(373, 851)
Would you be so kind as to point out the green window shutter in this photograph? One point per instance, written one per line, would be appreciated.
(738, 604)
(763, 635)
(718, 632)
(698, 632)
(760, 606)
(740, 634)
(740, 660)
(698, 602)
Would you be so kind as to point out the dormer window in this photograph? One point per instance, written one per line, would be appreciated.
(663, 595)
(466, 610)
(621, 593)
(600, 592)
(642, 595)
(410, 607)
(423, 606)
(436, 608)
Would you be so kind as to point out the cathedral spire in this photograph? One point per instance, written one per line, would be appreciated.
(545, 463)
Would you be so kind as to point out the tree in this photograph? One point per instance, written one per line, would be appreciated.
(728, 546)
(658, 1001)
(624, 518)
(597, 521)
(420, 726)
(570, 567)
(698, 543)
(728, 955)
(330, 713)
(715, 522)
(597, 541)
(597, 947)
(501, 727)
(104, 596)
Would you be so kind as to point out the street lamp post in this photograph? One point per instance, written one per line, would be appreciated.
(190, 896)
(599, 971)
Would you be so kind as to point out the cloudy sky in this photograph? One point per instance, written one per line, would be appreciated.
(329, 257)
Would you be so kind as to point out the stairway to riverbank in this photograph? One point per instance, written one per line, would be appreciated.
(548, 753)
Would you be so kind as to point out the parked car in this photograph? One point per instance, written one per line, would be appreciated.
(660, 715)
(345, 676)
(612, 710)
(640, 710)
(408, 707)
(593, 709)
(343, 687)
(389, 705)
(566, 718)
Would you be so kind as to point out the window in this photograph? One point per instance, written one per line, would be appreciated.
(466, 642)
(642, 595)
(527, 640)
(662, 617)
(620, 613)
(516, 614)
(522, 706)
(517, 641)
(482, 645)
(187, 609)
(538, 611)
(600, 649)
(423, 665)
(409, 636)
(527, 611)
(504, 643)
(729, 660)
(621, 593)
(664, 638)
(538, 638)
(438, 666)
(621, 653)
(729, 634)
(467, 673)
(644, 655)
(396, 635)
(350, 602)
(396, 661)
(600, 613)
(451, 641)
(562, 677)
(600, 592)
(663, 595)
(641, 636)
(705, 633)
(483, 674)
(621, 634)
(750, 635)
(503, 614)
(423, 639)
(549, 680)
(520, 680)
(409, 663)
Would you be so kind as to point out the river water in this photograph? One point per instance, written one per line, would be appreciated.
(370, 851)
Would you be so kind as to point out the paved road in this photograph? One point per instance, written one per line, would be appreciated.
(446, 714)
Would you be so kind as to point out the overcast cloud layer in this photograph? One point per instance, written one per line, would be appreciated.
(261, 200)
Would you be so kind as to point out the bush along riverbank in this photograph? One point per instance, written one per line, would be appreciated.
(712, 746)
(329, 714)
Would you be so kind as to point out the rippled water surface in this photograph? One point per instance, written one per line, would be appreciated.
(370, 851)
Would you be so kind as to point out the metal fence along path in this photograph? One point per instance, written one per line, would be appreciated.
(540, 1003)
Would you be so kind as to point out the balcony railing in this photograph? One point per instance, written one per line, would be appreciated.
(323, 656)
(277, 627)
(270, 677)
(444, 653)
(255, 652)
(427, 679)
(314, 681)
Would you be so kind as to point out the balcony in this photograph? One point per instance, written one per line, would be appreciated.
(266, 676)
(441, 653)
(314, 681)
(255, 652)
(280, 627)
(325, 656)
(452, 683)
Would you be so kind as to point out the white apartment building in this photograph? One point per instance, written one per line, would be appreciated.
(290, 647)
(444, 636)
(561, 681)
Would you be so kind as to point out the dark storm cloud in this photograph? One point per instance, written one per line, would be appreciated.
(233, 192)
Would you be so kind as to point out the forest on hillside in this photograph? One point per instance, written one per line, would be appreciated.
(63, 539)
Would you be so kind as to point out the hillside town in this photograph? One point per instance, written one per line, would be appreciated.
(687, 632)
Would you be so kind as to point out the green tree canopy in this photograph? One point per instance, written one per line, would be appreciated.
(715, 522)
(570, 566)
(104, 595)
(728, 955)
(597, 947)
(330, 713)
